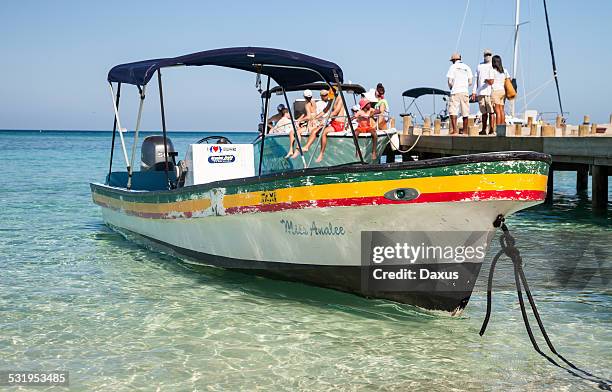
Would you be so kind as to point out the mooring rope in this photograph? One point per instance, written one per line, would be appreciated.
(508, 248)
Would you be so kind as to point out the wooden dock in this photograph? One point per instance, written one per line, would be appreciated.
(587, 154)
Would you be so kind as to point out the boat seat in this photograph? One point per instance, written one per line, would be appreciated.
(143, 180)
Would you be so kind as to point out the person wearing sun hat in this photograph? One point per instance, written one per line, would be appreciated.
(459, 78)
(365, 122)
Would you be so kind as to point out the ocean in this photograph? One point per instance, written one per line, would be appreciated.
(76, 296)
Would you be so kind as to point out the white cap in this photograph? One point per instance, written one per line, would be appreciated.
(307, 94)
(371, 96)
(355, 108)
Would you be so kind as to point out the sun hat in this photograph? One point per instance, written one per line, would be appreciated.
(455, 56)
(363, 103)
(307, 94)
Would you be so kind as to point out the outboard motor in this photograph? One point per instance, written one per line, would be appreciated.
(152, 154)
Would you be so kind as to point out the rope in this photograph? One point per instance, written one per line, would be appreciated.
(508, 248)
(467, 6)
(397, 148)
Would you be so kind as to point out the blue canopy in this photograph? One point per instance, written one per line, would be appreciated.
(285, 67)
(420, 91)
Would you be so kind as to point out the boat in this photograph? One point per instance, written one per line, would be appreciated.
(316, 225)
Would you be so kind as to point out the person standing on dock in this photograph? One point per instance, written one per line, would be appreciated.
(459, 77)
(482, 92)
(498, 96)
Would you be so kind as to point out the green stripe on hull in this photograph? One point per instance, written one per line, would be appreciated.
(190, 193)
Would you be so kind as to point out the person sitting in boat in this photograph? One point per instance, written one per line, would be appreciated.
(354, 111)
(308, 120)
(366, 123)
(274, 119)
(323, 108)
(382, 107)
(337, 124)
(324, 104)
(283, 125)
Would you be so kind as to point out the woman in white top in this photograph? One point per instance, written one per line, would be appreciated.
(498, 96)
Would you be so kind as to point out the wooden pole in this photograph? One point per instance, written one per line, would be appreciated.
(593, 129)
(587, 119)
(437, 126)
(583, 130)
(548, 131)
(426, 126)
(518, 130)
(533, 129)
(558, 121)
(563, 129)
(529, 122)
(407, 125)
(473, 130)
(599, 186)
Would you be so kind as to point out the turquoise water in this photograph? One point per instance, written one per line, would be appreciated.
(76, 296)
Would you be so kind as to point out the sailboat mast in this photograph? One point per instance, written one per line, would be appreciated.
(516, 43)
(552, 56)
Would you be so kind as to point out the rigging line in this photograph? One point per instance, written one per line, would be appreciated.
(537, 93)
(552, 57)
(484, 12)
(467, 6)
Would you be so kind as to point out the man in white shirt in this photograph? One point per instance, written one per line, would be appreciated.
(482, 91)
(459, 77)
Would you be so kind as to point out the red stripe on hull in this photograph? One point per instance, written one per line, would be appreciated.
(526, 195)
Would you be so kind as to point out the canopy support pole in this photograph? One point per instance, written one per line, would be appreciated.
(295, 133)
(163, 120)
(265, 125)
(142, 97)
(110, 165)
(346, 110)
(125, 156)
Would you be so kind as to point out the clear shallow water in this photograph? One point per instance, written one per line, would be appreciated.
(76, 296)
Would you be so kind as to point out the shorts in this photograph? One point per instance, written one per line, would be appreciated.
(498, 97)
(337, 125)
(459, 101)
(366, 129)
(485, 104)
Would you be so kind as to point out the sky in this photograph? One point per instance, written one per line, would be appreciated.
(55, 55)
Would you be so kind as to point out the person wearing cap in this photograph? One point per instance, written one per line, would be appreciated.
(283, 125)
(309, 117)
(354, 111)
(324, 104)
(337, 124)
(459, 77)
(274, 119)
(482, 90)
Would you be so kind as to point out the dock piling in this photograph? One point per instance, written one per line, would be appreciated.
(407, 125)
(582, 178)
(549, 186)
(533, 129)
(599, 186)
(437, 126)
(548, 131)
(583, 130)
